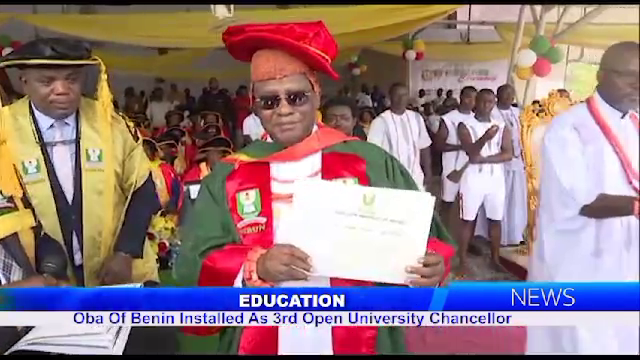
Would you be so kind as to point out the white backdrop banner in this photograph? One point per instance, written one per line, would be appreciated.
(451, 75)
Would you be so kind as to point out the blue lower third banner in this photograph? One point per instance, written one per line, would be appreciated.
(462, 296)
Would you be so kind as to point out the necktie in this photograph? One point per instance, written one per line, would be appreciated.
(61, 158)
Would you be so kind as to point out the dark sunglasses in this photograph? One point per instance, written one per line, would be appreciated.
(294, 98)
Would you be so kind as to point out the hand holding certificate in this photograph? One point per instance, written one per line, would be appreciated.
(362, 233)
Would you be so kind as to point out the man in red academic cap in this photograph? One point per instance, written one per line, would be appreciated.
(220, 248)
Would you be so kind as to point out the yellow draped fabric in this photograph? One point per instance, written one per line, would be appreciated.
(203, 30)
(589, 35)
(178, 64)
(451, 51)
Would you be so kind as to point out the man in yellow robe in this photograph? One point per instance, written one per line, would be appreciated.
(82, 165)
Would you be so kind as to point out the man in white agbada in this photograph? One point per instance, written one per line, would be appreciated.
(587, 227)
(515, 214)
(403, 134)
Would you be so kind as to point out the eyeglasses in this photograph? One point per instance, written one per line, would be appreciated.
(294, 98)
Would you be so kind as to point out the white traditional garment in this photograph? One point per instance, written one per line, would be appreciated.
(515, 214)
(480, 186)
(452, 160)
(252, 127)
(403, 136)
(578, 164)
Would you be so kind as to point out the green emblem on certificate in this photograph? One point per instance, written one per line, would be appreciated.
(249, 204)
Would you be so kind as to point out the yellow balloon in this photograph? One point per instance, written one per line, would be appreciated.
(524, 73)
(363, 68)
(419, 46)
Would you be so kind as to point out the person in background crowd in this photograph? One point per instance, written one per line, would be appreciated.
(132, 103)
(217, 101)
(377, 98)
(587, 220)
(242, 105)
(209, 154)
(144, 101)
(404, 135)
(365, 118)
(514, 221)
(488, 145)
(439, 98)
(210, 117)
(363, 99)
(449, 95)
(453, 156)
(433, 119)
(190, 104)
(421, 99)
(165, 178)
(158, 108)
(340, 114)
(217, 247)
(175, 96)
(252, 128)
(75, 203)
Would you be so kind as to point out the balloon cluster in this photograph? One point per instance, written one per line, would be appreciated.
(356, 67)
(413, 49)
(7, 45)
(537, 58)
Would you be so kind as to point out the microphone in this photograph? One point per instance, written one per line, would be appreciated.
(51, 258)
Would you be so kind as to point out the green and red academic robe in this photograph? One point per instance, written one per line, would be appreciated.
(216, 240)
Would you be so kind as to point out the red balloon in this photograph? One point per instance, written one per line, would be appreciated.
(542, 67)
(16, 44)
(419, 55)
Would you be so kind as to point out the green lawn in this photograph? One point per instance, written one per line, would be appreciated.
(191, 344)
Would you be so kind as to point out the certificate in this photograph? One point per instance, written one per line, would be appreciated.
(358, 232)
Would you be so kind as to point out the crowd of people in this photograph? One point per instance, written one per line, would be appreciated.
(113, 188)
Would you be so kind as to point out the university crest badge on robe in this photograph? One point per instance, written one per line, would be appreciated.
(249, 205)
(94, 158)
(31, 170)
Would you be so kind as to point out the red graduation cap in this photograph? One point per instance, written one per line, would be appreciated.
(310, 42)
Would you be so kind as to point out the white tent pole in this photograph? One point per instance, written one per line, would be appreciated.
(560, 22)
(517, 41)
(534, 15)
(583, 20)
(539, 31)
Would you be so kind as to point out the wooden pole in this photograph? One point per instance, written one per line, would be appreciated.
(539, 31)
(517, 41)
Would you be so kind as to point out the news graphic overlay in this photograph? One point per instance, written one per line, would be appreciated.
(460, 304)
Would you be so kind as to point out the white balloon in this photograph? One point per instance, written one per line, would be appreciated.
(356, 71)
(6, 51)
(410, 55)
(526, 58)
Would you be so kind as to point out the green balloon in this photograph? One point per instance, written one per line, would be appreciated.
(540, 45)
(5, 40)
(407, 44)
(554, 55)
